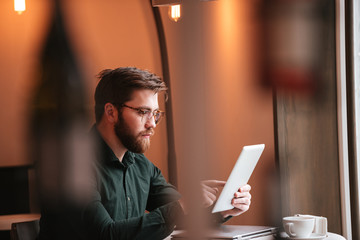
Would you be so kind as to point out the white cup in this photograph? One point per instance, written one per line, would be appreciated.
(320, 227)
(299, 227)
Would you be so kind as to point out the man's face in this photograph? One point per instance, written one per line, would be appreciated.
(133, 129)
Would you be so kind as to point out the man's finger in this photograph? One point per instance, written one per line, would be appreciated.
(209, 199)
(242, 194)
(245, 188)
(214, 183)
(240, 201)
(207, 202)
(210, 189)
(212, 197)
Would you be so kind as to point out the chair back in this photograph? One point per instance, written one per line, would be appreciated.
(25, 230)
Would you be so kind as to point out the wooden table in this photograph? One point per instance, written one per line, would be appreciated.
(229, 232)
(330, 236)
(270, 237)
(7, 220)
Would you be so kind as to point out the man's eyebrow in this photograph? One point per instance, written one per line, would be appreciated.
(148, 108)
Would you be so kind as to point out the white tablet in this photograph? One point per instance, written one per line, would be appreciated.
(239, 176)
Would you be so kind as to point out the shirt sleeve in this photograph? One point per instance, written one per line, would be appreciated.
(157, 224)
(160, 192)
(164, 213)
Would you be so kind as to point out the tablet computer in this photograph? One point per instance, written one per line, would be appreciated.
(239, 175)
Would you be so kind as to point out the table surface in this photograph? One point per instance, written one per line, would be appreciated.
(330, 236)
(7, 220)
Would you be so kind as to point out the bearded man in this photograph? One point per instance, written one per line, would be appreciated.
(132, 199)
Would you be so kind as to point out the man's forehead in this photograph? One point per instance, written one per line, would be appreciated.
(143, 93)
(144, 97)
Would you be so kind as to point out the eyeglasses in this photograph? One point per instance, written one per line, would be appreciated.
(146, 114)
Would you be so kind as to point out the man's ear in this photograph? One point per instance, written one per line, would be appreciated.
(110, 113)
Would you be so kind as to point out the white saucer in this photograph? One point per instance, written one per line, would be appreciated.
(313, 236)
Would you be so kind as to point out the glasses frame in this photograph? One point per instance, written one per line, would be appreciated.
(143, 112)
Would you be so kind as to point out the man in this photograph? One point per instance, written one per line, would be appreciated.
(131, 199)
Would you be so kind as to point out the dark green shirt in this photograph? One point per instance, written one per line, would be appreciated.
(132, 200)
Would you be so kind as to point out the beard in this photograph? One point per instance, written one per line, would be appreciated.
(135, 143)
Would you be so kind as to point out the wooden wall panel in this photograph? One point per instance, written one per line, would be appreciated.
(308, 157)
(307, 141)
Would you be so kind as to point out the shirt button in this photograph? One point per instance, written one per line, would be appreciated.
(128, 198)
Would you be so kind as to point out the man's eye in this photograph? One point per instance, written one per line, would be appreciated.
(143, 112)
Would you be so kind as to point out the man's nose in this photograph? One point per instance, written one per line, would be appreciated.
(150, 122)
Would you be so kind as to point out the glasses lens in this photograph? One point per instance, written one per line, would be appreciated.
(158, 116)
(146, 116)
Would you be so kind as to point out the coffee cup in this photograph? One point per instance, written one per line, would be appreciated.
(320, 227)
(298, 227)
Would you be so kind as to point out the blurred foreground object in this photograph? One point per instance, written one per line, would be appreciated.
(61, 146)
(294, 44)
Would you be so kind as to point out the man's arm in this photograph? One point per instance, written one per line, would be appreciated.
(163, 212)
(161, 192)
(157, 224)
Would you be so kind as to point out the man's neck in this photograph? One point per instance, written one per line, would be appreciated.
(112, 140)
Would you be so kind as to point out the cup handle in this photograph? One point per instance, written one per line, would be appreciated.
(288, 227)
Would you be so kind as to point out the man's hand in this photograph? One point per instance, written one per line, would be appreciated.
(210, 188)
(241, 202)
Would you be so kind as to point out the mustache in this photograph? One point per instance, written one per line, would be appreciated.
(150, 132)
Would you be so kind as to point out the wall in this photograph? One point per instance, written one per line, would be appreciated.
(19, 45)
(219, 103)
(117, 34)
(107, 35)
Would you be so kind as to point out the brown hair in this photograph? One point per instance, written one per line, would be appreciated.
(117, 85)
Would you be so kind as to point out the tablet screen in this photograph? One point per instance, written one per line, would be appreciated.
(239, 175)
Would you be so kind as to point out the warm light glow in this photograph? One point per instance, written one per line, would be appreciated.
(19, 6)
(175, 12)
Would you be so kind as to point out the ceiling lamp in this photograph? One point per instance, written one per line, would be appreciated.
(19, 6)
(175, 12)
(174, 8)
(162, 3)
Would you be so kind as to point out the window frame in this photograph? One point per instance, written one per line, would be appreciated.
(342, 118)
